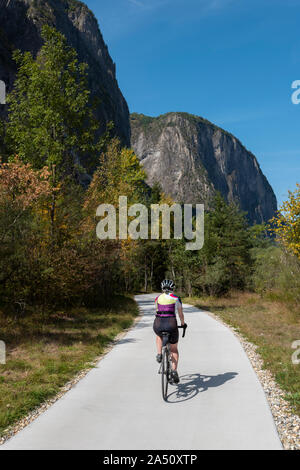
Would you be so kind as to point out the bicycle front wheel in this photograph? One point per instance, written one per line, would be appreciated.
(165, 374)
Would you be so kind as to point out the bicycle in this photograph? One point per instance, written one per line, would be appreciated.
(166, 363)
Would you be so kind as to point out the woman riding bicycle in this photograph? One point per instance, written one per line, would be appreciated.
(166, 305)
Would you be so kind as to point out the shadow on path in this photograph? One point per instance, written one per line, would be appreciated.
(142, 324)
(192, 384)
(126, 341)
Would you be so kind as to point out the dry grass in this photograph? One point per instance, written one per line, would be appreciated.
(44, 351)
(272, 325)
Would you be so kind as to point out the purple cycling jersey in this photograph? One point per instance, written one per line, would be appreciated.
(167, 307)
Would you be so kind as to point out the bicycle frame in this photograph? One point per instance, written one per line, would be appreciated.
(166, 363)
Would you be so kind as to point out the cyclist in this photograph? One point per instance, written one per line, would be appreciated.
(166, 305)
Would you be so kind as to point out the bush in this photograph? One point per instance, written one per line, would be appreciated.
(276, 273)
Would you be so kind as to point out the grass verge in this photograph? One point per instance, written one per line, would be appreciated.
(44, 351)
(272, 325)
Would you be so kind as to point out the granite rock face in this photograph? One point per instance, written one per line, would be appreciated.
(20, 28)
(192, 158)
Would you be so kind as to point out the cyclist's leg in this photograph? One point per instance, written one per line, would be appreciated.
(174, 336)
(175, 355)
(159, 344)
(157, 331)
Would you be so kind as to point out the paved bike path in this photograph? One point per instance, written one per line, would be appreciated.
(219, 403)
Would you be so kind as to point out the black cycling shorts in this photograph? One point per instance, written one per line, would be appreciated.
(168, 324)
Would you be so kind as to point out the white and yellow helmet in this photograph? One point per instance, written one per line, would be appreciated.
(167, 284)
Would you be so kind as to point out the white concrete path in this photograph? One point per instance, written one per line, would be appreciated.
(219, 403)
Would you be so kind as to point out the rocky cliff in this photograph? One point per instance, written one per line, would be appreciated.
(20, 26)
(192, 158)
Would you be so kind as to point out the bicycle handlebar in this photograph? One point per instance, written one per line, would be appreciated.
(184, 327)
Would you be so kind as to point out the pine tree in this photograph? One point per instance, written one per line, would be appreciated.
(227, 244)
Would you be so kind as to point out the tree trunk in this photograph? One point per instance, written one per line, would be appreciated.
(151, 276)
(146, 278)
(53, 205)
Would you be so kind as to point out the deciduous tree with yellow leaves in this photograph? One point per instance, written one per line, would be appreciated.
(286, 225)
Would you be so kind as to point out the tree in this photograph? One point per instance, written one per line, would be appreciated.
(224, 261)
(286, 225)
(119, 173)
(50, 116)
(51, 119)
(23, 191)
(230, 243)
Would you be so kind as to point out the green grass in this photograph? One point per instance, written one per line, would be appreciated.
(44, 351)
(272, 325)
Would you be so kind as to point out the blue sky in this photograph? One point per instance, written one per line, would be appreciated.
(230, 61)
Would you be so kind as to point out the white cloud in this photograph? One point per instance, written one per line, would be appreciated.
(239, 116)
(218, 4)
(123, 16)
(283, 153)
(149, 4)
(206, 6)
(137, 3)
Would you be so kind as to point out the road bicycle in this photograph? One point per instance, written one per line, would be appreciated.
(166, 363)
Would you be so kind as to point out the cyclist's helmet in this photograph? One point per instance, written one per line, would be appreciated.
(167, 285)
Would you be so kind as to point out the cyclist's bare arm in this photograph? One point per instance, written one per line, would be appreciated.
(180, 313)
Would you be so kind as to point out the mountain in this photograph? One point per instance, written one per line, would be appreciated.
(20, 28)
(189, 156)
(192, 158)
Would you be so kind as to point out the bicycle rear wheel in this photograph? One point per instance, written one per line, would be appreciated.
(165, 374)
